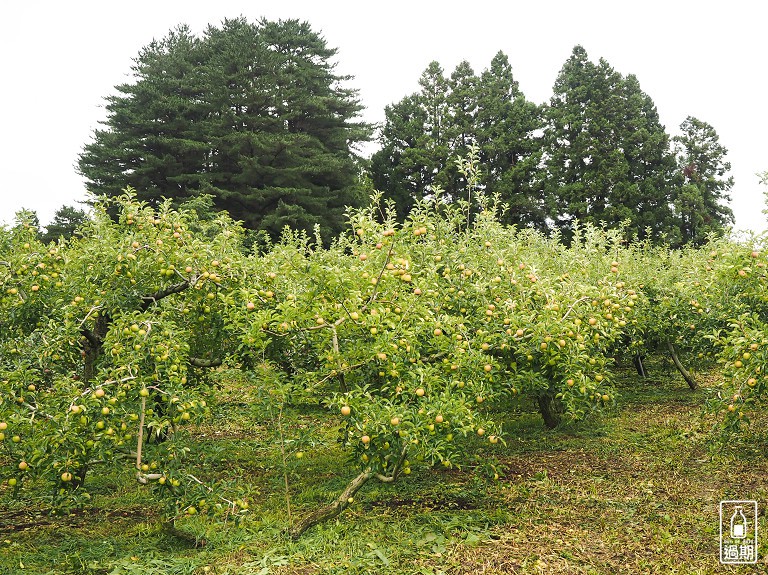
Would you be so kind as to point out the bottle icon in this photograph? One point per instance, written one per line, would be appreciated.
(738, 524)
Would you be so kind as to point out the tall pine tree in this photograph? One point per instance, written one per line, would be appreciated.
(64, 224)
(415, 143)
(705, 186)
(507, 132)
(150, 141)
(250, 113)
(461, 127)
(426, 132)
(607, 156)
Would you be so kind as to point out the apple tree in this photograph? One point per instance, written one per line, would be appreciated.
(742, 342)
(105, 344)
(408, 332)
(682, 301)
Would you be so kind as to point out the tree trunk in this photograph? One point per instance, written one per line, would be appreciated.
(92, 346)
(92, 352)
(78, 476)
(332, 510)
(639, 366)
(684, 372)
(551, 409)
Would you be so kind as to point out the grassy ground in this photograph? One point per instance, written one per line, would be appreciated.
(637, 492)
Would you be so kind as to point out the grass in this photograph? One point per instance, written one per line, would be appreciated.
(636, 492)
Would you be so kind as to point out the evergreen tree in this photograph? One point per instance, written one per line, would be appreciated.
(152, 141)
(426, 132)
(250, 113)
(702, 165)
(462, 107)
(400, 167)
(460, 128)
(607, 155)
(415, 152)
(437, 140)
(64, 224)
(510, 149)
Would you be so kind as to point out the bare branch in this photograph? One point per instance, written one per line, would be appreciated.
(381, 274)
(145, 478)
(90, 311)
(342, 381)
(570, 309)
(332, 510)
(396, 470)
(35, 410)
(140, 439)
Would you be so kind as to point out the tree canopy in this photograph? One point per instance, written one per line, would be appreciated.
(607, 154)
(425, 133)
(252, 114)
(64, 224)
(702, 165)
(595, 153)
(255, 116)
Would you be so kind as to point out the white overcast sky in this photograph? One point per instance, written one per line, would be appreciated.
(706, 59)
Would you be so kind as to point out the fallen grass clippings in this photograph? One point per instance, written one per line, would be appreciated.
(634, 493)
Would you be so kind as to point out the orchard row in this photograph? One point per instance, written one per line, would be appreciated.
(406, 332)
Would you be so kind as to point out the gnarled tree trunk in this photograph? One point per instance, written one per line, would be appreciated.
(343, 500)
(332, 510)
(551, 409)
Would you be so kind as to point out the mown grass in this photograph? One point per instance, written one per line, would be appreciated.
(636, 492)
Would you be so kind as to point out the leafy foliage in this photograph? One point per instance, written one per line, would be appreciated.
(413, 335)
(607, 155)
(250, 113)
(100, 337)
(426, 132)
(595, 154)
(701, 161)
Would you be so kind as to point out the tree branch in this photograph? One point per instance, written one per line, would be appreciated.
(35, 410)
(91, 337)
(140, 439)
(343, 500)
(570, 309)
(148, 300)
(342, 381)
(396, 470)
(378, 279)
(332, 510)
(684, 372)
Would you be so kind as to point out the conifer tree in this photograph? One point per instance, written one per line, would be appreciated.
(425, 133)
(508, 127)
(252, 114)
(607, 156)
(64, 224)
(705, 186)
(415, 143)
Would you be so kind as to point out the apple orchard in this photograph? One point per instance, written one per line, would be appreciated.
(112, 344)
